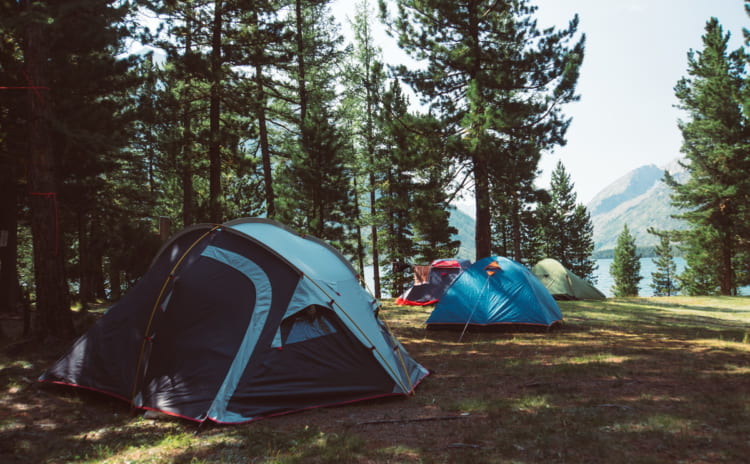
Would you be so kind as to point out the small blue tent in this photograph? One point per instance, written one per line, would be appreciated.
(496, 291)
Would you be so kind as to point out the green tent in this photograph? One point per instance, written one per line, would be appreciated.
(563, 284)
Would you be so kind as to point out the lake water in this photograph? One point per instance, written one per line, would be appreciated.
(604, 279)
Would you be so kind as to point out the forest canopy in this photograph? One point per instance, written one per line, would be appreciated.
(120, 113)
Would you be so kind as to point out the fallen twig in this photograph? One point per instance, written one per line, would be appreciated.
(618, 406)
(416, 419)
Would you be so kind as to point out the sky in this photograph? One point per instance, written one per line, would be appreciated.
(636, 51)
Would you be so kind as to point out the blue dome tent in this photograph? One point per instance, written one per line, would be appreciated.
(496, 291)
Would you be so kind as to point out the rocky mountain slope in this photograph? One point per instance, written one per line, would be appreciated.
(639, 198)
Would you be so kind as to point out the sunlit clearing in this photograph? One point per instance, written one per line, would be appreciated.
(663, 423)
(532, 403)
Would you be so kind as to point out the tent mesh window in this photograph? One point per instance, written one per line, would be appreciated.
(312, 322)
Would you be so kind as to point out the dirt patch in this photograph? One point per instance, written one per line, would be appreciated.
(593, 391)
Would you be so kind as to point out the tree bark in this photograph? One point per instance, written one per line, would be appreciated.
(265, 151)
(53, 316)
(85, 288)
(516, 213)
(483, 232)
(214, 147)
(482, 211)
(187, 137)
(301, 68)
(373, 181)
(726, 274)
(8, 236)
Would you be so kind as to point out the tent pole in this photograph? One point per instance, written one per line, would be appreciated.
(476, 303)
(137, 376)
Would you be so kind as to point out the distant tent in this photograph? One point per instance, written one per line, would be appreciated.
(496, 291)
(442, 272)
(237, 322)
(563, 284)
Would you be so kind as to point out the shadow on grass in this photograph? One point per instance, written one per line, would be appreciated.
(44, 423)
(622, 381)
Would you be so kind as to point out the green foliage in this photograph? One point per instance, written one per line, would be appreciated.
(430, 210)
(700, 276)
(363, 82)
(495, 81)
(315, 194)
(626, 266)
(240, 113)
(664, 279)
(716, 197)
(398, 189)
(564, 227)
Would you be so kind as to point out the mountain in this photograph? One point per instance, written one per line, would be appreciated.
(639, 198)
(465, 224)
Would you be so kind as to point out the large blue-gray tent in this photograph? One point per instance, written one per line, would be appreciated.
(237, 322)
(496, 291)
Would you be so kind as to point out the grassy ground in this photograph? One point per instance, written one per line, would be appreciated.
(624, 381)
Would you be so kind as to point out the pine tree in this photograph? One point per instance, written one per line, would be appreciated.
(700, 276)
(212, 99)
(364, 82)
(495, 79)
(664, 279)
(433, 174)
(316, 194)
(565, 227)
(397, 201)
(175, 107)
(715, 142)
(93, 124)
(626, 266)
(13, 140)
(265, 35)
(52, 294)
(315, 150)
(512, 182)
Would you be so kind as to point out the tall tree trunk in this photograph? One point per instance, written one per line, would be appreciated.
(301, 77)
(53, 317)
(483, 232)
(187, 176)
(265, 151)
(187, 136)
(516, 215)
(115, 283)
(358, 228)
(726, 273)
(214, 147)
(85, 289)
(8, 241)
(8, 236)
(482, 211)
(90, 261)
(374, 239)
(373, 181)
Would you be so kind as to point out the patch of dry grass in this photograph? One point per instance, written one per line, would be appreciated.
(624, 380)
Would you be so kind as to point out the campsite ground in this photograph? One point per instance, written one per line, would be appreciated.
(624, 381)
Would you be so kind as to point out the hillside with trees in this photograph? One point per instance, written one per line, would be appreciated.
(639, 198)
